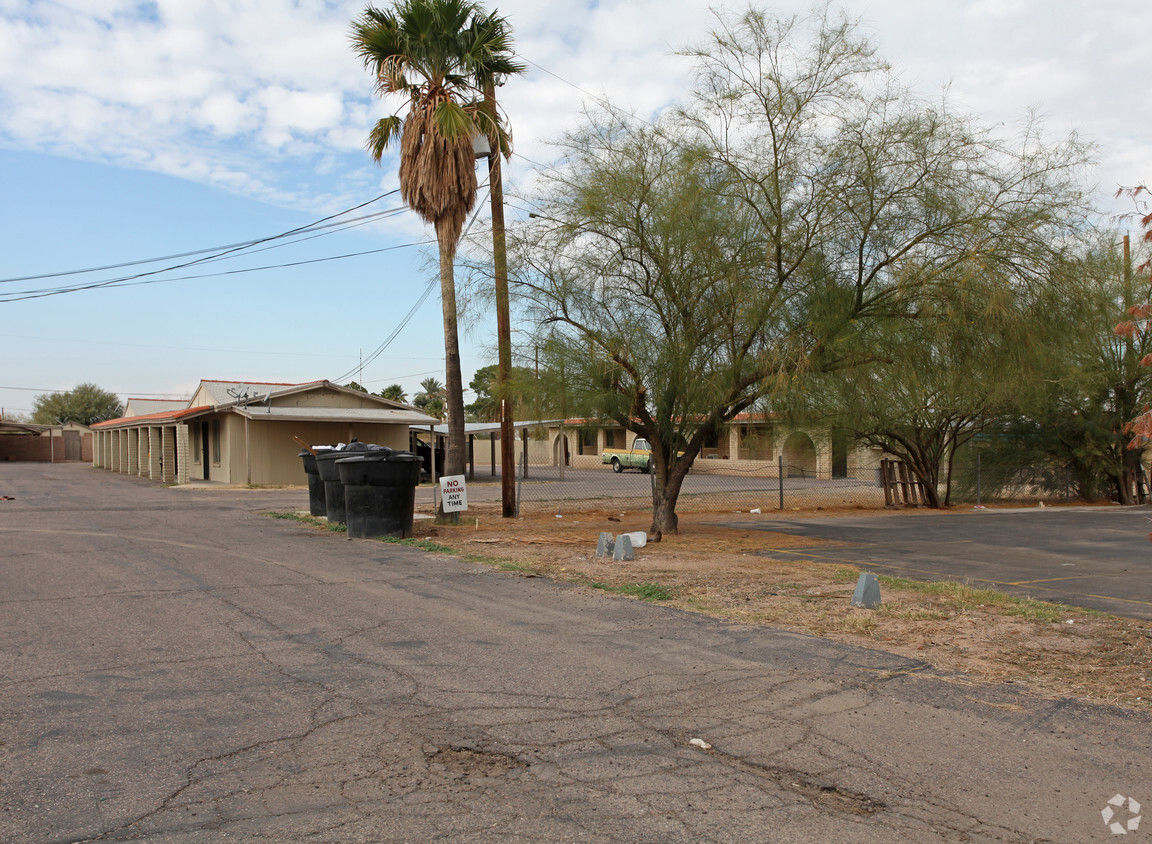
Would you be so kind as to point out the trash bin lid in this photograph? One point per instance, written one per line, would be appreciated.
(375, 454)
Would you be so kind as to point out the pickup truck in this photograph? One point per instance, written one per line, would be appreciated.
(637, 457)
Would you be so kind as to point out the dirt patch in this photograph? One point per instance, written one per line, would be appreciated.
(981, 634)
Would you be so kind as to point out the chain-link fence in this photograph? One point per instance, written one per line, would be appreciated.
(712, 486)
(866, 479)
(709, 487)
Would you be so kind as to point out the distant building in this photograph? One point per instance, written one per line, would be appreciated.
(244, 432)
(24, 441)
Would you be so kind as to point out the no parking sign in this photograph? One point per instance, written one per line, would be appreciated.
(453, 494)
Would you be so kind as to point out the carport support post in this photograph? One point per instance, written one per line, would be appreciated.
(780, 477)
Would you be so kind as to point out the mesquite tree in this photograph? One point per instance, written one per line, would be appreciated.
(685, 271)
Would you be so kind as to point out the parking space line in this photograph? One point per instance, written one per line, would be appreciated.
(1047, 580)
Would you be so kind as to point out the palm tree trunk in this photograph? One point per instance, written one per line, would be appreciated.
(453, 378)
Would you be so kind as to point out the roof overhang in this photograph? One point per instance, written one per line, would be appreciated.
(25, 428)
(485, 427)
(153, 419)
(377, 415)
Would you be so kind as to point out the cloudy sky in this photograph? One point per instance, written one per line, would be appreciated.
(132, 131)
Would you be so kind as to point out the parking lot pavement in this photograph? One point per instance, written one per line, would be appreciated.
(177, 667)
(1096, 557)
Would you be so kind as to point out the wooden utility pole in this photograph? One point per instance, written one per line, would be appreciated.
(503, 321)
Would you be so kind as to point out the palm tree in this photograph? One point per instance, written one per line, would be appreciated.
(431, 397)
(440, 55)
(395, 392)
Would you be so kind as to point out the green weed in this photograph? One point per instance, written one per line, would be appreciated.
(643, 591)
(422, 544)
(958, 598)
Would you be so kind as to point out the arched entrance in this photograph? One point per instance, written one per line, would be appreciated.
(560, 451)
(799, 456)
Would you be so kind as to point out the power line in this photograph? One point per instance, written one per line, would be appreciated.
(146, 277)
(412, 311)
(139, 280)
(561, 78)
(218, 254)
(231, 246)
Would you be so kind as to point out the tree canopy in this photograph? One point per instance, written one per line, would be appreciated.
(395, 392)
(484, 385)
(430, 399)
(802, 206)
(85, 404)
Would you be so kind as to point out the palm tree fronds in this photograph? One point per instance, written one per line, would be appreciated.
(453, 121)
(385, 130)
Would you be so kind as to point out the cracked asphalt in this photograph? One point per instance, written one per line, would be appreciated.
(177, 667)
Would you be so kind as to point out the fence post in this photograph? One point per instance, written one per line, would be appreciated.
(780, 477)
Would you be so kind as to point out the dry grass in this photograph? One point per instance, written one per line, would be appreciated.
(986, 635)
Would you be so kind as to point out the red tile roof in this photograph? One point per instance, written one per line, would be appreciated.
(154, 417)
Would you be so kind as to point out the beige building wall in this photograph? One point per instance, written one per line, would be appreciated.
(543, 448)
(275, 455)
(742, 448)
(255, 451)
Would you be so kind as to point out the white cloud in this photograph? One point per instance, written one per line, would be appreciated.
(300, 111)
(268, 87)
(225, 114)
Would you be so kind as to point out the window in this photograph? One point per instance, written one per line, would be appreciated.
(215, 440)
(586, 441)
(195, 439)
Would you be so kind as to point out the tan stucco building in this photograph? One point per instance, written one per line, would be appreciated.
(242, 432)
(750, 443)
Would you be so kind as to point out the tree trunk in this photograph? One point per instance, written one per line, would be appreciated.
(927, 472)
(1123, 483)
(453, 380)
(948, 485)
(666, 484)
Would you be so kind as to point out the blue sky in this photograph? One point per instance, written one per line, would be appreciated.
(131, 131)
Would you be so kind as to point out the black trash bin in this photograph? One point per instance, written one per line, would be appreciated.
(380, 492)
(316, 504)
(333, 488)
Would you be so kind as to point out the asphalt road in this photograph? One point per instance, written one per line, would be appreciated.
(1097, 557)
(177, 667)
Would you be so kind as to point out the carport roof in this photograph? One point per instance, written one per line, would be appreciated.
(154, 418)
(23, 428)
(484, 427)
